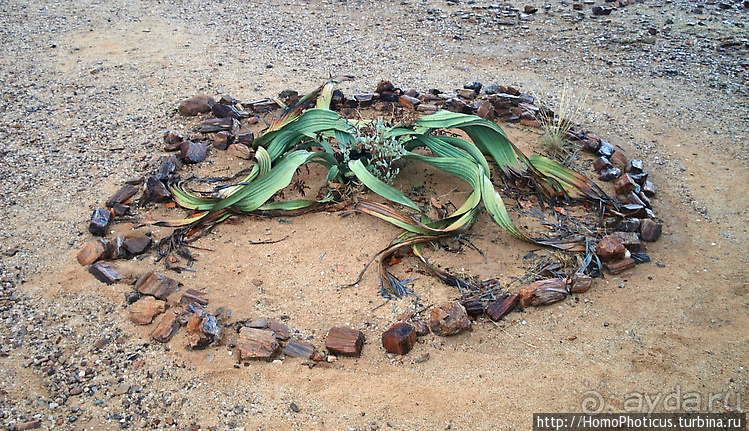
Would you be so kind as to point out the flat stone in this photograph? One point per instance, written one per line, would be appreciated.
(650, 231)
(156, 285)
(145, 309)
(137, 245)
(123, 194)
(502, 306)
(299, 349)
(106, 273)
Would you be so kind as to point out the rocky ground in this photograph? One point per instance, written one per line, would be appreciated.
(88, 88)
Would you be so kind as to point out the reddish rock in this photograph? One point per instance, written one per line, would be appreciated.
(620, 265)
(196, 105)
(630, 241)
(408, 101)
(420, 327)
(137, 245)
(610, 248)
(650, 231)
(257, 344)
(581, 283)
(502, 306)
(624, 185)
(106, 273)
(221, 140)
(619, 160)
(344, 341)
(145, 309)
(543, 292)
(92, 251)
(602, 163)
(167, 327)
(449, 319)
(399, 339)
(157, 285)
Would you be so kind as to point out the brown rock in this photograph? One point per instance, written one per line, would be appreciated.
(246, 138)
(399, 339)
(543, 292)
(344, 341)
(123, 194)
(92, 251)
(23, 426)
(619, 160)
(650, 231)
(466, 93)
(193, 152)
(137, 245)
(384, 86)
(620, 265)
(257, 344)
(486, 110)
(427, 109)
(610, 248)
(449, 319)
(157, 285)
(222, 140)
(280, 330)
(172, 137)
(629, 225)
(625, 184)
(409, 102)
(196, 105)
(145, 309)
(299, 349)
(106, 273)
(167, 327)
(602, 163)
(581, 283)
(502, 306)
(530, 123)
(474, 308)
(240, 151)
(156, 191)
(192, 295)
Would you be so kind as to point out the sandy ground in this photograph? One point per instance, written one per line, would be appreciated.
(88, 88)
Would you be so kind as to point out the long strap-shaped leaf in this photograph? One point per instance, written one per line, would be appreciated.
(575, 184)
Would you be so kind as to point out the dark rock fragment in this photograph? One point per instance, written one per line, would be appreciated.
(101, 218)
